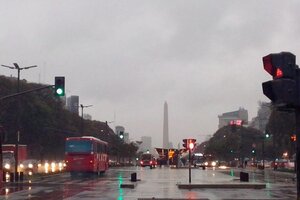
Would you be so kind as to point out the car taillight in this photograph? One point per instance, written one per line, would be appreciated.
(141, 162)
(150, 162)
(91, 161)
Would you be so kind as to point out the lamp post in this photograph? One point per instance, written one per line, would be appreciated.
(82, 106)
(16, 66)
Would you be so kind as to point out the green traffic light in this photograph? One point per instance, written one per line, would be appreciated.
(59, 85)
(59, 92)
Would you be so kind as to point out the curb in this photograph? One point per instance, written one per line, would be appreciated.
(222, 186)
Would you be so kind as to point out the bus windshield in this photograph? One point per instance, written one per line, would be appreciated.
(146, 157)
(78, 146)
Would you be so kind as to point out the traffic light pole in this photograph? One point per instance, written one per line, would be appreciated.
(190, 174)
(297, 162)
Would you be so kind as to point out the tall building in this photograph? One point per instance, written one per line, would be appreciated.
(166, 127)
(146, 144)
(126, 137)
(263, 114)
(73, 104)
(87, 116)
(240, 114)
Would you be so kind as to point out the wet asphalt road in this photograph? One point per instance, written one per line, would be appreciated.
(157, 183)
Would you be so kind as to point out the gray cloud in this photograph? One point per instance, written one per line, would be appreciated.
(203, 57)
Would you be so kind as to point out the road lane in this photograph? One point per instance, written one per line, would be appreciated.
(158, 183)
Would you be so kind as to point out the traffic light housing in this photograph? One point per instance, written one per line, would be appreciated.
(280, 65)
(185, 145)
(253, 151)
(59, 86)
(283, 89)
(189, 143)
(267, 135)
(121, 135)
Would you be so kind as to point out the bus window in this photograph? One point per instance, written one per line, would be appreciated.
(75, 146)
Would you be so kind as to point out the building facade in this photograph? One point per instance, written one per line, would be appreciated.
(240, 114)
(146, 144)
(73, 104)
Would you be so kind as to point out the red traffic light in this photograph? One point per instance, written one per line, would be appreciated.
(189, 143)
(280, 65)
(293, 138)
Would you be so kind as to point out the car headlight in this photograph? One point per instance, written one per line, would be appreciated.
(7, 166)
(213, 163)
(30, 165)
(206, 163)
(21, 166)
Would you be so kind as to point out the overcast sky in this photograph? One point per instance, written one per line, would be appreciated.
(126, 58)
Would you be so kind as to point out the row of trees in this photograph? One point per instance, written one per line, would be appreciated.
(229, 143)
(44, 123)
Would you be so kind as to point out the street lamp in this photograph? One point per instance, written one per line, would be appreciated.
(16, 66)
(82, 106)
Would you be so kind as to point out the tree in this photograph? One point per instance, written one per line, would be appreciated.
(227, 144)
(281, 126)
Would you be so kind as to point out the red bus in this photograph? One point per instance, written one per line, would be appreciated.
(86, 154)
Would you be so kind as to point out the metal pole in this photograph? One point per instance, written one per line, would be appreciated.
(190, 166)
(263, 152)
(81, 120)
(297, 110)
(18, 131)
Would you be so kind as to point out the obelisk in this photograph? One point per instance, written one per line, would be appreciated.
(166, 127)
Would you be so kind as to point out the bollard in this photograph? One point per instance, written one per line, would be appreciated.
(11, 177)
(133, 177)
(4, 177)
(17, 177)
(244, 177)
(21, 176)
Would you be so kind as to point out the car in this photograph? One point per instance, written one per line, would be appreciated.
(29, 166)
(148, 159)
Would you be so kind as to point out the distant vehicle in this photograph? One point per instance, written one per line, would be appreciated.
(29, 166)
(148, 159)
(200, 160)
(86, 155)
(8, 153)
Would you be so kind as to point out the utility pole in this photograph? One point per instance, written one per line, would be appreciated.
(82, 125)
(16, 66)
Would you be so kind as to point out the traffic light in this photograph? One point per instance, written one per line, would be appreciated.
(121, 135)
(189, 143)
(59, 86)
(171, 153)
(293, 138)
(267, 135)
(253, 151)
(185, 143)
(282, 90)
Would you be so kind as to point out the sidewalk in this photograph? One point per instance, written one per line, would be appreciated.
(266, 175)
